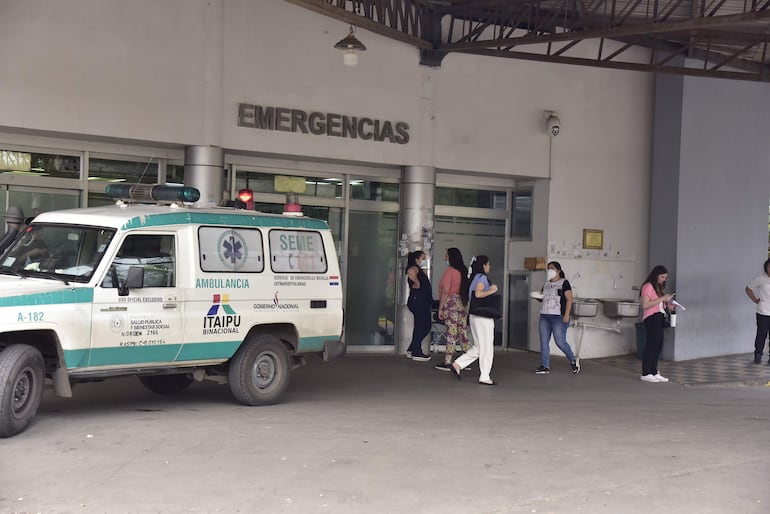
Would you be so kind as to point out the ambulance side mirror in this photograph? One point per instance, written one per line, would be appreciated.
(134, 280)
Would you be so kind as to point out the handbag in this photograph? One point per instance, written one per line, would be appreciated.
(487, 307)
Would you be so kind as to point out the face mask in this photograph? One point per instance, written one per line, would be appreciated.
(551, 273)
(423, 264)
(447, 262)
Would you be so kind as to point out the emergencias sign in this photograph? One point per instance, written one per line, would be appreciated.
(322, 123)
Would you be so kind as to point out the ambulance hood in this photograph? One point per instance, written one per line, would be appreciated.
(39, 291)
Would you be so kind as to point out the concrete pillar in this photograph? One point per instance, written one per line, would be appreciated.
(418, 185)
(204, 170)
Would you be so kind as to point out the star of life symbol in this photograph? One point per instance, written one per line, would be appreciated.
(232, 250)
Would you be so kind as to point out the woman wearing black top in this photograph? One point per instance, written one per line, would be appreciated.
(419, 303)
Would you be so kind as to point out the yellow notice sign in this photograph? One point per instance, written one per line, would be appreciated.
(285, 184)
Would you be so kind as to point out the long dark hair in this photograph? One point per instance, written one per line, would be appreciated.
(765, 265)
(652, 278)
(477, 266)
(411, 259)
(455, 258)
(558, 268)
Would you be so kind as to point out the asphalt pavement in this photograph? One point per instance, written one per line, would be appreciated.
(382, 434)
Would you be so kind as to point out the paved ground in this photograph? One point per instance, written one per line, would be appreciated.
(726, 371)
(377, 434)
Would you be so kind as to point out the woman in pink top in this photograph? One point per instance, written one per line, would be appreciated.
(654, 304)
(453, 306)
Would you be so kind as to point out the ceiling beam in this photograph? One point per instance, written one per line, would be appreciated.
(761, 76)
(615, 32)
(327, 9)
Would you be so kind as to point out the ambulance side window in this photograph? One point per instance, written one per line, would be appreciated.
(154, 253)
(225, 249)
(297, 251)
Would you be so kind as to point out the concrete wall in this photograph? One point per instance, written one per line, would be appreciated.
(124, 69)
(718, 210)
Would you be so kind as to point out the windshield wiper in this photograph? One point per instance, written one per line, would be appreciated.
(57, 277)
(13, 271)
(54, 276)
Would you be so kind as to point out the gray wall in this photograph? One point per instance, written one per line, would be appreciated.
(709, 207)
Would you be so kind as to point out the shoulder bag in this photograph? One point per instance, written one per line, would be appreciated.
(487, 307)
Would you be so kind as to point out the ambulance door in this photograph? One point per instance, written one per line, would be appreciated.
(221, 308)
(140, 325)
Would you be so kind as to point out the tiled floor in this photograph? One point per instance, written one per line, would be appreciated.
(727, 370)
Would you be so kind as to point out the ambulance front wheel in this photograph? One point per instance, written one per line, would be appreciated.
(259, 372)
(21, 387)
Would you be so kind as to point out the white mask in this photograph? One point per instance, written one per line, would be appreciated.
(551, 273)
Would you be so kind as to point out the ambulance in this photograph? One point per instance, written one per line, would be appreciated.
(168, 292)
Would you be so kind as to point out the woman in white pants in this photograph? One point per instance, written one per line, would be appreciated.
(483, 329)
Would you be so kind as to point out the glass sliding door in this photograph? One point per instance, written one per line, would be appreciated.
(371, 282)
(472, 236)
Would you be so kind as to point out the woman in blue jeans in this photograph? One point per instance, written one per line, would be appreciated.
(554, 318)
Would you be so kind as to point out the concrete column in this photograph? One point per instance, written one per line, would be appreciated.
(204, 170)
(418, 184)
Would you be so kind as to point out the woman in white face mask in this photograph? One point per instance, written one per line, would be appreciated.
(554, 318)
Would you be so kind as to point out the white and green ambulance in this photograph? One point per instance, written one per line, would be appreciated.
(169, 293)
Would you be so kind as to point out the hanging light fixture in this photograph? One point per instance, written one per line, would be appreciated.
(350, 45)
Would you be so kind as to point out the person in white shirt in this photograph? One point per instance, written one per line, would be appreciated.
(759, 292)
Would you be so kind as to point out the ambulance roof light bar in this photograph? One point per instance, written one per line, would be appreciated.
(152, 193)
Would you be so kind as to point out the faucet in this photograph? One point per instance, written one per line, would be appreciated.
(615, 280)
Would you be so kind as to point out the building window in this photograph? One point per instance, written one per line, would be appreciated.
(39, 164)
(112, 170)
(324, 187)
(175, 174)
(362, 189)
(482, 198)
(521, 214)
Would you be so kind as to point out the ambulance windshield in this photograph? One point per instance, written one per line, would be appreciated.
(62, 252)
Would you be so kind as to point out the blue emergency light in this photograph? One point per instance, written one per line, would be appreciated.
(152, 193)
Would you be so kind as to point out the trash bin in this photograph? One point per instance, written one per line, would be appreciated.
(641, 339)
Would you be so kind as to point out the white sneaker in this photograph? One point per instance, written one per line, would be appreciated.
(660, 378)
(408, 354)
(648, 378)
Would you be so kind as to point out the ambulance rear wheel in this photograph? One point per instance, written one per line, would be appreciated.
(21, 387)
(166, 384)
(259, 372)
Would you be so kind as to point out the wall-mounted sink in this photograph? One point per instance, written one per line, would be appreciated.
(614, 308)
(584, 307)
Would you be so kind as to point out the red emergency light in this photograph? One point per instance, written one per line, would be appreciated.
(247, 197)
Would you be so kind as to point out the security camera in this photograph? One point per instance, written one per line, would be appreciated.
(553, 123)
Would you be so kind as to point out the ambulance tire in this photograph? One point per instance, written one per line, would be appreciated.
(259, 372)
(22, 376)
(166, 384)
